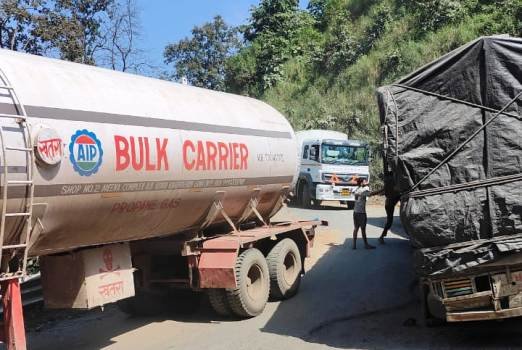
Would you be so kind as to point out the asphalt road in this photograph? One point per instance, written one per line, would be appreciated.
(348, 299)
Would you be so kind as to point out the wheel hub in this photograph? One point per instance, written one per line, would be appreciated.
(255, 282)
(290, 272)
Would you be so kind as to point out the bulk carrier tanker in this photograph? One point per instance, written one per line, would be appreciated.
(105, 172)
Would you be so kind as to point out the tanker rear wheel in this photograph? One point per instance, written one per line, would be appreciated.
(285, 266)
(218, 301)
(250, 296)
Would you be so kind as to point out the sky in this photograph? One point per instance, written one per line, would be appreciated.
(167, 21)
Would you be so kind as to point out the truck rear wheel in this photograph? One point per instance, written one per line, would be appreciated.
(218, 301)
(250, 296)
(284, 266)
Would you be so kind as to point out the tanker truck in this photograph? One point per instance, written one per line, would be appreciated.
(452, 147)
(128, 187)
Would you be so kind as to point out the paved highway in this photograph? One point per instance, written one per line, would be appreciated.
(348, 299)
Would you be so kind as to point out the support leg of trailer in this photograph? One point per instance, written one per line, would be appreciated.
(13, 331)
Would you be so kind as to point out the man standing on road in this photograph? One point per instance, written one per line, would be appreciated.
(392, 198)
(359, 212)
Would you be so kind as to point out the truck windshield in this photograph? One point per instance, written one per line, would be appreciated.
(342, 154)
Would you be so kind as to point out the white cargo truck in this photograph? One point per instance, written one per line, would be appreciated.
(329, 167)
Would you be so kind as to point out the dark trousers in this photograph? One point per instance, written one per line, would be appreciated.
(389, 206)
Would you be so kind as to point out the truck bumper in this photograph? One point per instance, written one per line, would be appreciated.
(483, 315)
(326, 192)
(488, 295)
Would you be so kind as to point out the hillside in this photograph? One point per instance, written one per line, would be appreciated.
(338, 51)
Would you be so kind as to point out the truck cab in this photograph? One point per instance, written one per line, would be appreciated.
(329, 167)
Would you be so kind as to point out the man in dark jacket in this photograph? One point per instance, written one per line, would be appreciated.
(392, 198)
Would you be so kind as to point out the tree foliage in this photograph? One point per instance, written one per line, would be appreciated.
(201, 58)
(100, 32)
(277, 32)
(271, 16)
(80, 36)
(22, 26)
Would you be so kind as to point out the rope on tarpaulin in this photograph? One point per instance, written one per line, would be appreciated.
(456, 100)
(452, 188)
(499, 180)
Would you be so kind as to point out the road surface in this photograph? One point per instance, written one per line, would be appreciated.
(348, 299)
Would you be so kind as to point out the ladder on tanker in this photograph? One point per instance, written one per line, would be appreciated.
(17, 252)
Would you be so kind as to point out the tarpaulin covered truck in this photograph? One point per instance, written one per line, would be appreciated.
(125, 185)
(453, 148)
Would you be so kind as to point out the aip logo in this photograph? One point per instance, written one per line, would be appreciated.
(85, 152)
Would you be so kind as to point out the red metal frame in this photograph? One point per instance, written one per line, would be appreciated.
(218, 255)
(13, 334)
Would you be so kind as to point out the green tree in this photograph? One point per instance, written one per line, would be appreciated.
(21, 26)
(431, 15)
(80, 35)
(277, 31)
(271, 16)
(72, 29)
(201, 58)
(317, 8)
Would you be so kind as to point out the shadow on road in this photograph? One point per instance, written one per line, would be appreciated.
(398, 328)
(368, 300)
(324, 206)
(97, 329)
(346, 286)
(395, 229)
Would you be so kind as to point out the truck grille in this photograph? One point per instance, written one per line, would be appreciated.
(455, 288)
(344, 178)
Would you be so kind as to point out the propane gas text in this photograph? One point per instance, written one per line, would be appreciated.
(209, 155)
(141, 153)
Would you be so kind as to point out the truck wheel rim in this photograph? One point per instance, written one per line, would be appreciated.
(290, 268)
(255, 282)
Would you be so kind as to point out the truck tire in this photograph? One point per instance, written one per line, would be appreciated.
(218, 301)
(284, 266)
(250, 296)
(306, 200)
(428, 319)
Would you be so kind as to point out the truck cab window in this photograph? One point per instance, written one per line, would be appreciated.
(305, 152)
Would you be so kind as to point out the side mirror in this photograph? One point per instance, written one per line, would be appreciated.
(313, 153)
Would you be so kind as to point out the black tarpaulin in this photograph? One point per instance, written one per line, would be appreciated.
(477, 193)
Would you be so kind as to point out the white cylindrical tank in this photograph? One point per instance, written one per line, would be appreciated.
(124, 157)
